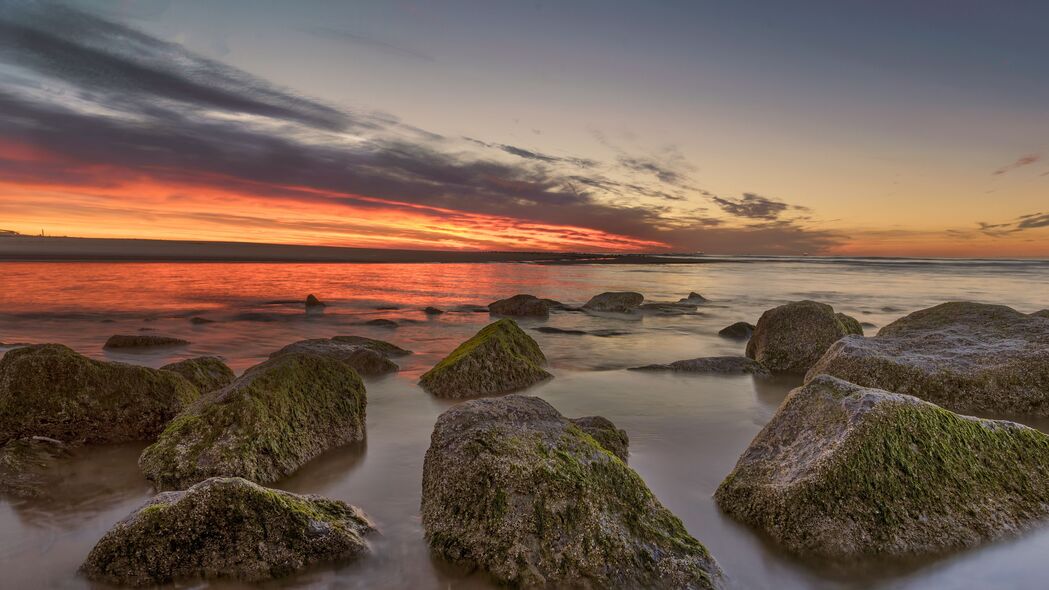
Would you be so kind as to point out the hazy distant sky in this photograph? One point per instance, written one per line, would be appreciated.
(916, 127)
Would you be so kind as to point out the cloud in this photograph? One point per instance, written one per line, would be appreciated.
(100, 106)
(1019, 163)
(752, 206)
(351, 38)
(1019, 224)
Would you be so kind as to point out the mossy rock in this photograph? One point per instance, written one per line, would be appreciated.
(50, 390)
(522, 306)
(265, 425)
(368, 361)
(26, 466)
(513, 488)
(967, 357)
(142, 341)
(604, 431)
(844, 472)
(377, 345)
(498, 359)
(792, 337)
(227, 528)
(712, 365)
(737, 331)
(615, 302)
(1041, 314)
(207, 373)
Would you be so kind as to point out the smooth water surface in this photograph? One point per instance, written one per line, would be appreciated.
(686, 431)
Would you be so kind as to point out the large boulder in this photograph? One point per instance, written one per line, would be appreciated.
(969, 357)
(132, 341)
(514, 488)
(846, 472)
(723, 365)
(272, 419)
(226, 528)
(364, 359)
(792, 337)
(522, 306)
(615, 302)
(207, 373)
(498, 359)
(50, 390)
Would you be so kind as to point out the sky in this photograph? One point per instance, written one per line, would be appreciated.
(893, 128)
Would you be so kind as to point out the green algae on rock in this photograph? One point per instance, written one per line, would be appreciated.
(845, 472)
(206, 373)
(367, 360)
(377, 345)
(792, 337)
(227, 528)
(265, 425)
(142, 341)
(513, 488)
(604, 431)
(615, 302)
(522, 305)
(50, 390)
(713, 365)
(498, 359)
(968, 357)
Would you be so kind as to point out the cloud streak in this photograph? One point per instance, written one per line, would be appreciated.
(1019, 163)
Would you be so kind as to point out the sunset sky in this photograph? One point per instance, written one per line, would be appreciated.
(828, 127)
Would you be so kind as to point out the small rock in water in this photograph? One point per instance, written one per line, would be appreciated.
(227, 528)
(142, 341)
(792, 337)
(432, 311)
(263, 426)
(694, 297)
(381, 323)
(197, 320)
(737, 331)
(615, 302)
(664, 308)
(725, 365)
(844, 472)
(1042, 314)
(206, 373)
(50, 390)
(522, 306)
(312, 301)
(554, 330)
(367, 360)
(514, 488)
(498, 359)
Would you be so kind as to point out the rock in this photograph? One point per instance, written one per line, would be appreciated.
(25, 465)
(844, 472)
(669, 308)
(792, 337)
(206, 373)
(50, 390)
(471, 308)
(1042, 314)
(725, 365)
(737, 331)
(553, 330)
(376, 345)
(312, 301)
(498, 359)
(142, 341)
(512, 487)
(968, 357)
(604, 431)
(197, 321)
(263, 426)
(615, 302)
(521, 305)
(693, 297)
(432, 311)
(366, 360)
(226, 528)
(381, 323)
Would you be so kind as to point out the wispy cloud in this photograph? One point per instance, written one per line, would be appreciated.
(356, 39)
(1019, 163)
(752, 206)
(1019, 224)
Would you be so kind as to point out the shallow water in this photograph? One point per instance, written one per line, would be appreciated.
(686, 431)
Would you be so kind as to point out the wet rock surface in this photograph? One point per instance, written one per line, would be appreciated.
(737, 331)
(206, 373)
(523, 305)
(724, 365)
(792, 337)
(615, 302)
(514, 488)
(367, 359)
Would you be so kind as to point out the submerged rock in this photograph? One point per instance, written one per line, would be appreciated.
(725, 365)
(364, 359)
(142, 341)
(512, 487)
(521, 305)
(227, 528)
(693, 297)
(968, 357)
(25, 465)
(604, 431)
(377, 345)
(263, 426)
(792, 337)
(498, 359)
(432, 311)
(615, 302)
(197, 320)
(381, 323)
(737, 331)
(663, 308)
(206, 373)
(845, 472)
(312, 301)
(50, 390)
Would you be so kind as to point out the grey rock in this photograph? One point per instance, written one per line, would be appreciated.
(615, 302)
(367, 360)
(725, 365)
(792, 337)
(737, 331)
(206, 373)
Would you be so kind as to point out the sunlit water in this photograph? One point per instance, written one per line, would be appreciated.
(686, 432)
